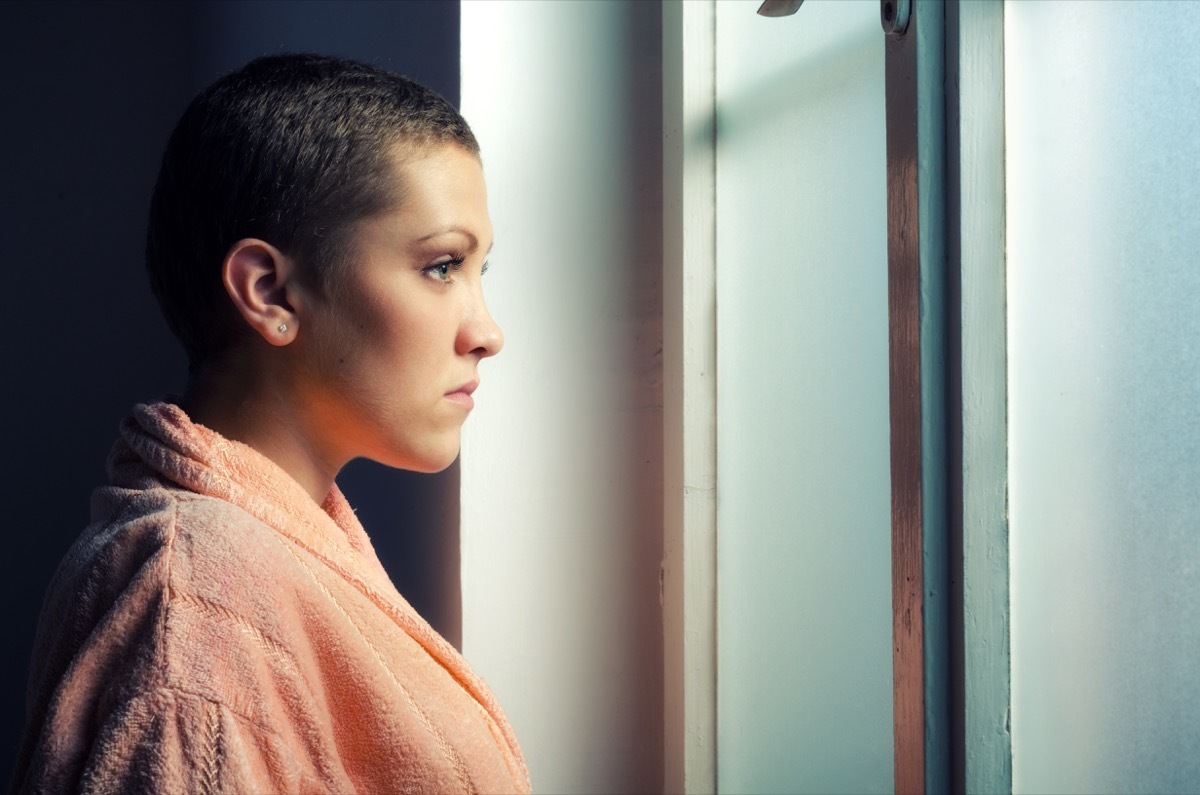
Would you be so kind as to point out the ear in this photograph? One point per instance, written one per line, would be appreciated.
(259, 277)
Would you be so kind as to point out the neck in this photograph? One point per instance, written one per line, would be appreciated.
(243, 402)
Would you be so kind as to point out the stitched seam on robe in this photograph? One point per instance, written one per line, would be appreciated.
(447, 750)
(264, 642)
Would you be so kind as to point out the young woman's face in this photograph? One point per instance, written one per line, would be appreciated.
(391, 350)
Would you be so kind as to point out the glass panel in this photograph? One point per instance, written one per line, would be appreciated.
(804, 560)
(1103, 137)
(562, 459)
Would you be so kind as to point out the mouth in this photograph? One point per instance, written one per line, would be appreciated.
(462, 395)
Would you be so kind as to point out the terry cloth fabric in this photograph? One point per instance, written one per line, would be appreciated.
(215, 630)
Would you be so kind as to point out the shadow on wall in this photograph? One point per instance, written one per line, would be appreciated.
(91, 91)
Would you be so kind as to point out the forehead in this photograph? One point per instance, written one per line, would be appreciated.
(439, 188)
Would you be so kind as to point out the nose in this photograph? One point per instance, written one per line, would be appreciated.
(479, 334)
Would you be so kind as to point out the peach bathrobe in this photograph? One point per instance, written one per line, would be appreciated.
(215, 630)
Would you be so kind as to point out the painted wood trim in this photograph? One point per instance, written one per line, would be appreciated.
(689, 587)
(976, 154)
(916, 271)
(931, 147)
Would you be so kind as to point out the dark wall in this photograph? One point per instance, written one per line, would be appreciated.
(90, 91)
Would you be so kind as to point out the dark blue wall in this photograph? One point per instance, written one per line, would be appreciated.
(89, 92)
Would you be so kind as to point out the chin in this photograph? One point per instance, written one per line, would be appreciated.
(432, 467)
(432, 459)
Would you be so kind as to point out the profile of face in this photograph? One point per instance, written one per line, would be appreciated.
(389, 352)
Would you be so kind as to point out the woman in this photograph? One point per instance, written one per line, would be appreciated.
(317, 238)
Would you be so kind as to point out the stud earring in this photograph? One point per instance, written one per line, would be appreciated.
(282, 327)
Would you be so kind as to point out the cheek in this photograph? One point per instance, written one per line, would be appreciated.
(381, 332)
(419, 326)
(409, 341)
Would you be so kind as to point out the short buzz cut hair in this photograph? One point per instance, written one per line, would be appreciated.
(291, 149)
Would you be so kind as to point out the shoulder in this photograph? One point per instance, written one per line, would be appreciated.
(182, 550)
(179, 525)
(149, 578)
(168, 600)
(151, 540)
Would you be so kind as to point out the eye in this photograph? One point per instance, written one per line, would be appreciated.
(442, 270)
(486, 265)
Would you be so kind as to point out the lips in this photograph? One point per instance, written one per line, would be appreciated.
(462, 395)
(466, 389)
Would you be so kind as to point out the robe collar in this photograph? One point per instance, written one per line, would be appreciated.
(160, 442)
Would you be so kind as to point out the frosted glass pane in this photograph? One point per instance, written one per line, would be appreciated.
(804, 550)
(1103, 157)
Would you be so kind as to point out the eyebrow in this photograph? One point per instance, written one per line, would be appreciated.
(459, 230)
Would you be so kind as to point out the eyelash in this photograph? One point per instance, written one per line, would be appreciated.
(440, 271)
